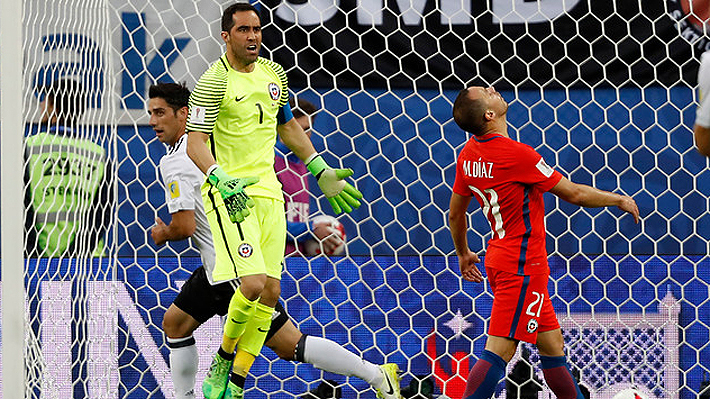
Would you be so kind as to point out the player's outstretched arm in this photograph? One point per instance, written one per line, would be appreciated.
(341, 194)
(458, 227)
(590, 197)
(181, 226)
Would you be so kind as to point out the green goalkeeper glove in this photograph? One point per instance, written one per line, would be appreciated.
(231, 189)
(341, 195)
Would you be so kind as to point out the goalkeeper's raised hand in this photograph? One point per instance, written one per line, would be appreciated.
(231, 189)
(341, 194)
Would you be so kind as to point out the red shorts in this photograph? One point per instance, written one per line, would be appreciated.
(521, 306)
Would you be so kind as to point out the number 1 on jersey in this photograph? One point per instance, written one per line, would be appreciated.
(261, 113)
(491, 207)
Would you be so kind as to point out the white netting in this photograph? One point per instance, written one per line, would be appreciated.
(603, 90)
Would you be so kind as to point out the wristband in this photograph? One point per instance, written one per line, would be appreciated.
(310, 158)
(211, 169)
(316, 166)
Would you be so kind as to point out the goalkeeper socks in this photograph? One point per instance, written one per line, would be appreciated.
(484, 376)
(327, 355)
(243, 361)
(256, 330)
(240, 311)
(224, 354)
(559, 378)
(238, 380)
(184, 361)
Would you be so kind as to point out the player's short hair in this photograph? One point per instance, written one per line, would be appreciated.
(304, 108)
(228, 21)
(469, 113)
(176, 95)
(68, 99)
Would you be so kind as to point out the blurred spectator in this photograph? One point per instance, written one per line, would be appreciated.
(67, 179)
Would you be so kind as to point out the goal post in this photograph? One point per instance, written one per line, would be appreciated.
(11, 194)
(603, 90)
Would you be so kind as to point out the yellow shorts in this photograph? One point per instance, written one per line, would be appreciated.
(254, 246)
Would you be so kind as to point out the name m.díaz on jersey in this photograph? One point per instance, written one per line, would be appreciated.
(477, 169)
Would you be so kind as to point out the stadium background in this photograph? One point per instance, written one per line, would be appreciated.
(622, 121)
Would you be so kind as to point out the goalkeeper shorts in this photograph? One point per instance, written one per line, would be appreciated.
(521, 306)
(202, 301)
(254, 246)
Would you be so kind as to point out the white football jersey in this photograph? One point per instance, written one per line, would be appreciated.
(702, 116)
(182, 180)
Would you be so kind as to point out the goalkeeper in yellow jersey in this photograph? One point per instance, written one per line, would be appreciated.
(236, 107)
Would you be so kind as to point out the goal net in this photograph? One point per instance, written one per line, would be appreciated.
(603, 90)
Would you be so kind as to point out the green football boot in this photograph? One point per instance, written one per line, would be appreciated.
(215, 384)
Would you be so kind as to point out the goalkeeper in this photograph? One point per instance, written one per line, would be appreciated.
(235, 108)
(199, 298)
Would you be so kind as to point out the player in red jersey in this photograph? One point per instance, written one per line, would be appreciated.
(508, 178)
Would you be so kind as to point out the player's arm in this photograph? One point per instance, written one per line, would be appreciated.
(702, 139)
(295, 138)
(590, 197)
(199, 153)
(341, 194)
(459, 226)
(181, 227)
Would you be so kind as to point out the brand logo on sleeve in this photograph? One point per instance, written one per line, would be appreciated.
(174, 188)
(544, 168)
(197, 114)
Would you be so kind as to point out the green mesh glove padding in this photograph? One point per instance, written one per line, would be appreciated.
(231, 189)
(341, 194)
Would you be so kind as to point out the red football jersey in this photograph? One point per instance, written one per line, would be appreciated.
(508, 179)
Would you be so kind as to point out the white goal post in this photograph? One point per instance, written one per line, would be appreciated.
(603, 90)
(13, 299)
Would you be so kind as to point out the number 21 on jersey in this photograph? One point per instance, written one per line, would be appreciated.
(530, 311)
(491, 209)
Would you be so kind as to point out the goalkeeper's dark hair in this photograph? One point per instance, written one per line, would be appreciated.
(303, 108)
(228, 21)
(469, 113)
(176, 95)
(68, 99)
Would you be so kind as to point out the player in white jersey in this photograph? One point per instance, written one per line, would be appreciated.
(701, 130)
(200, 298)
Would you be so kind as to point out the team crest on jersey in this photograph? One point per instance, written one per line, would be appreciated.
(532, 326)
(245, 250)
(274, 91)
(174, 188)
